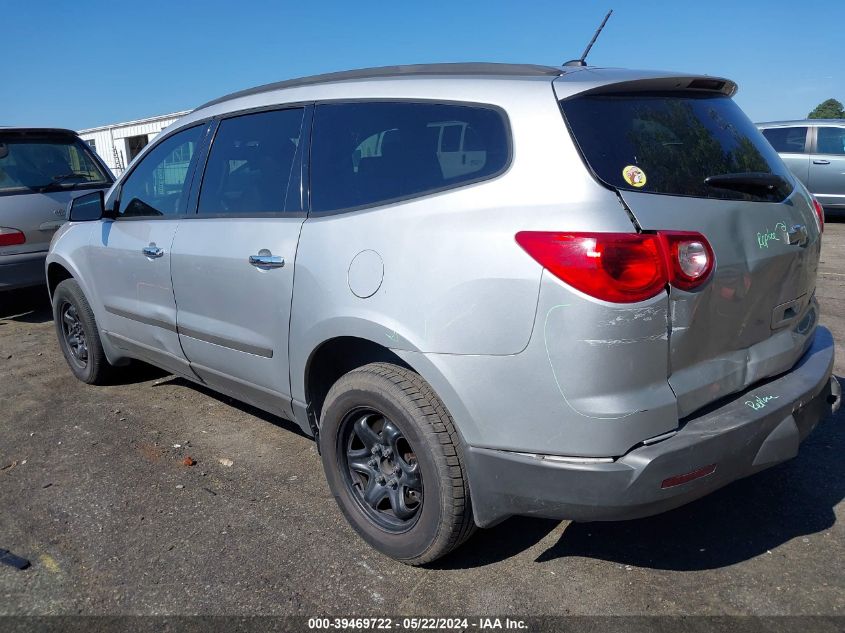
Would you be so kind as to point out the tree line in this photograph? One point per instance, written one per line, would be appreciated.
(828, 109)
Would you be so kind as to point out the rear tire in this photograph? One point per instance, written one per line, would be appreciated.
(79, 337)
(394, 463)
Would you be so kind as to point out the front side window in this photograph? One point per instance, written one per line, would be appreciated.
(372, 153)
(787, 140)
(251, 166)
(159, 184)
(831, 140)
(37, 163)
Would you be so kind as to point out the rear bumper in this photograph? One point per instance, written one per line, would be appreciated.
(21, 271)
(748, 433)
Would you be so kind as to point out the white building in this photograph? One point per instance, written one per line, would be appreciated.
(119, 143)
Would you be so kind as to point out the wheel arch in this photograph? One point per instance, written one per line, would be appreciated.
(60, 269)
(56, 274)
(338, 355)
(335, 357)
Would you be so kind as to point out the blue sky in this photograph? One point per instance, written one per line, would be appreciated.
(80, 64)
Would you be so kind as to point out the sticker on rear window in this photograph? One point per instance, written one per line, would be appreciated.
(634, 176)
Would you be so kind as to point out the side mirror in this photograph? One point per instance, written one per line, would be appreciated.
(86, 208)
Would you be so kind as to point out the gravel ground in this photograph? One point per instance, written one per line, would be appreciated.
(94, 491)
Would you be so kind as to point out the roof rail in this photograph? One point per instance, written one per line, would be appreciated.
(472, 68)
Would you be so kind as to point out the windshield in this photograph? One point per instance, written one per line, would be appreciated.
(676, 143)
(40, 163)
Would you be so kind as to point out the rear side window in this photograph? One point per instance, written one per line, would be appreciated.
(669, 143)
(250, 168)
(831, 140)
(372, 153)
(787, 139)
(32, 162)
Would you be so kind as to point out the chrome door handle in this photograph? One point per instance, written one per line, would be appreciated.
(152, 251)
(820, 161)
(266, 261)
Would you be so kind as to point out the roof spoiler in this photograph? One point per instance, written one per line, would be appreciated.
(604, 81)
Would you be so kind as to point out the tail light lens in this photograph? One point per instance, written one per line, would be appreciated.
(11, 237)
(622, 267)
(689, 256)
(819, 212)
(618, 267)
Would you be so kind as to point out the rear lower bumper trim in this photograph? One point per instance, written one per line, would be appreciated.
(736, 439)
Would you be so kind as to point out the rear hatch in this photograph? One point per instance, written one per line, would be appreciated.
(40, 171)
(687, 158)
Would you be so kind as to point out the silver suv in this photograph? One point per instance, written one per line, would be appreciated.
(815, 152)
(486, 290)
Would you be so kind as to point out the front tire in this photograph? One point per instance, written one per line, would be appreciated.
(79, 337)
(394, 463)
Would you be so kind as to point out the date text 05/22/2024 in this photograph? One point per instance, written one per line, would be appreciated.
(417, 624)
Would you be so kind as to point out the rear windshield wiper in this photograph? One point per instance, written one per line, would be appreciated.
(749, 181)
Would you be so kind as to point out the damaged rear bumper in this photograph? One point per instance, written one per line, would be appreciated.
(741, 436)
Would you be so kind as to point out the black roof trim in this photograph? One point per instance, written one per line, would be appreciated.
(42, 131)
(472, 68)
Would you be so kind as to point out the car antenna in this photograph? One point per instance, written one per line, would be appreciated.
(581, 61)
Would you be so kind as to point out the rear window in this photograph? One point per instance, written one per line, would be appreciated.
(44, 163)
(373, 153)
(831, 140)
(670, 143)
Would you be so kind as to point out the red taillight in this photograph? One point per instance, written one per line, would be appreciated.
(622, 267)
(819, 212)
(11, 237)
(690, 258)
(618, 267)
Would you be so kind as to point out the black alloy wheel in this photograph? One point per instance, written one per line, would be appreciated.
(74, 334)
(395, 464)
(381, 469)
(78, 334)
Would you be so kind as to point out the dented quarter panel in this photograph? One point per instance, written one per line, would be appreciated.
(591, 382)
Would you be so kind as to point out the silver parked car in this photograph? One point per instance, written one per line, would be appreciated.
(41, 169)
(486, 290)
(814, 150)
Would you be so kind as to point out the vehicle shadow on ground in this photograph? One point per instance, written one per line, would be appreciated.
(29, 305)
(136, 372)
(282, 423)
(748, 518)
